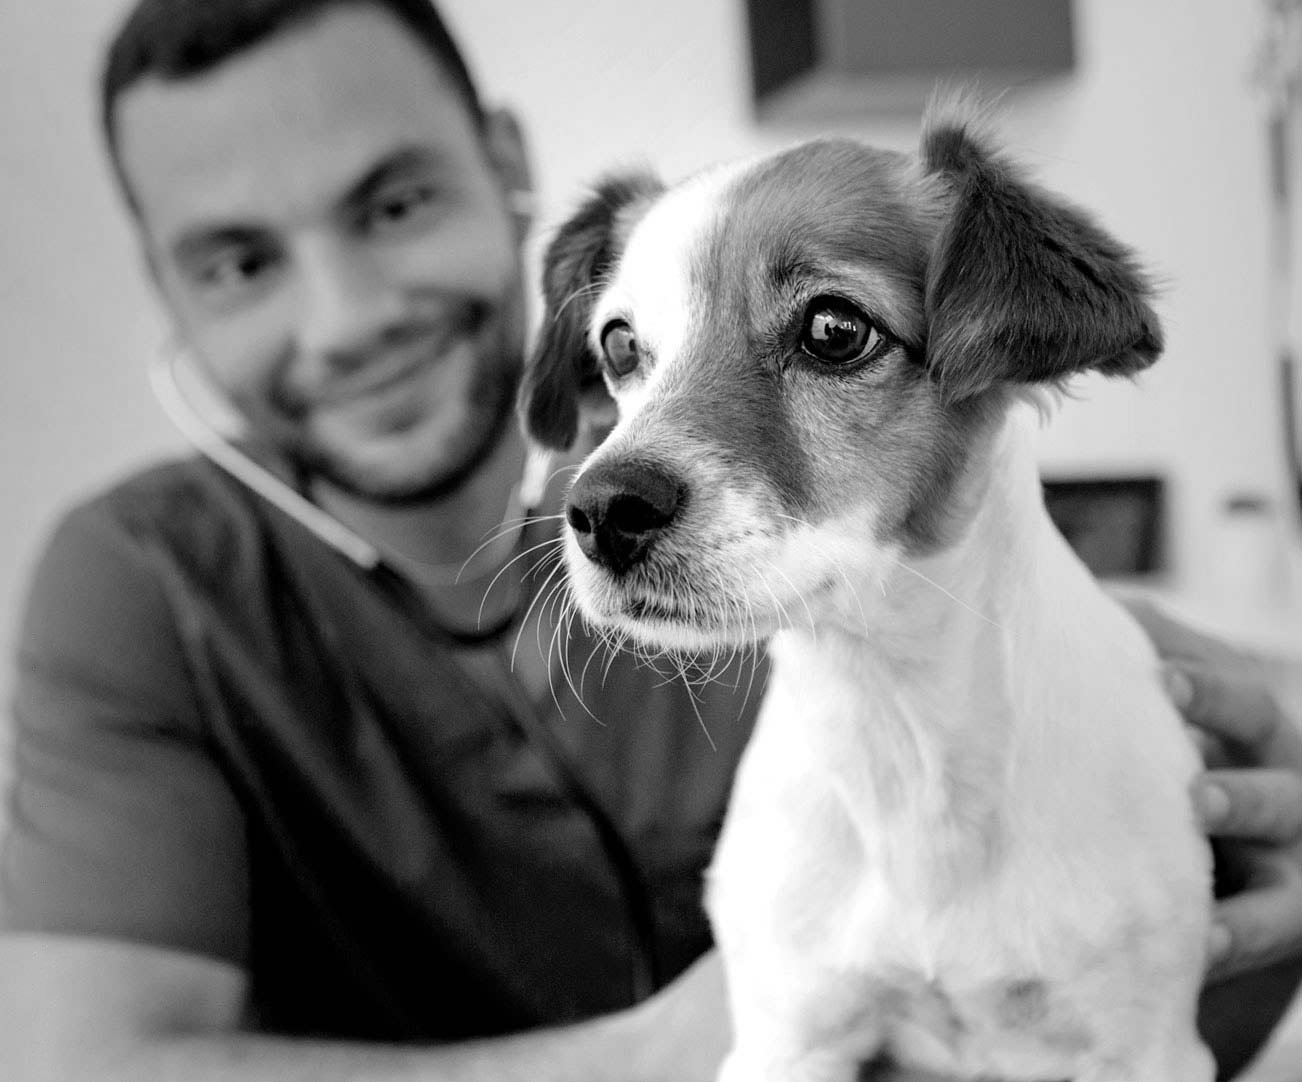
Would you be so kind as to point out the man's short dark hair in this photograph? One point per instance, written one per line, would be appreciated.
(178, 39)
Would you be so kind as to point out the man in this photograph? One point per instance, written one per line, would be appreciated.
(282, 812)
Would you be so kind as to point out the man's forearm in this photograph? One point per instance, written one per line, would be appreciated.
(83, 1009)
(605, 1049)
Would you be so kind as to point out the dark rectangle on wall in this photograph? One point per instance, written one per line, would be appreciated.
(812, 59)
(1115, 524)
(936, 37)
(782, 42)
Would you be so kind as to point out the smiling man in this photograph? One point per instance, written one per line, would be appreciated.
(290, 806)
(327, 220)
(262, 789)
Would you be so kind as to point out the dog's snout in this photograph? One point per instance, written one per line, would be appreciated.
(618, 510)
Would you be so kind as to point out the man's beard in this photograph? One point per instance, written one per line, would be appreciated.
(490, 416)
(489, 403)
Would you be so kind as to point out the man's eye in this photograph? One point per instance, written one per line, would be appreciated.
(230, 272)
(400, 208)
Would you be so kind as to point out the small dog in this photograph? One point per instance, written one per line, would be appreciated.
(960, 838)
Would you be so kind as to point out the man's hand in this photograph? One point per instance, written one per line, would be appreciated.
(1250, 802)
(684, 1029)
(1250, 798)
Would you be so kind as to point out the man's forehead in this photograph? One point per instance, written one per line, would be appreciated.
(284, 129)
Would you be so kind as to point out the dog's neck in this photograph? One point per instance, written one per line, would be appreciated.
(933, 685)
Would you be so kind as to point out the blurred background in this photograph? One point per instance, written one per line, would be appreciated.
(1154, 114)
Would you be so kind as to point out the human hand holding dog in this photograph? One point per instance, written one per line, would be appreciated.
(1249, 799)
(1250, 803)
(683, 1032)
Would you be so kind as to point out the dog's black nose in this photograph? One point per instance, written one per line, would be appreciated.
(617, 510)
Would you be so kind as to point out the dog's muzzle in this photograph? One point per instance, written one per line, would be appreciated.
(617, 511)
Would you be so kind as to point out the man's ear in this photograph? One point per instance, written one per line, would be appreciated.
(504, 143)
(1022, 287)
(563, 374)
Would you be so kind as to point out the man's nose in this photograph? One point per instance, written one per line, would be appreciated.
(347, 301)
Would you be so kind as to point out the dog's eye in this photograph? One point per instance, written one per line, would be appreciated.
(836, 331)
(620, 347)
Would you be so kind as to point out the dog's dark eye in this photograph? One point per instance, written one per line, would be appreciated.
(836, 331)
(620, 347)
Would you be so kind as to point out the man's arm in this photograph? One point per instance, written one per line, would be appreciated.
(76, 1009)
(1251, 805)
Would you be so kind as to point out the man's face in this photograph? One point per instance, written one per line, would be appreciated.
(334, 244)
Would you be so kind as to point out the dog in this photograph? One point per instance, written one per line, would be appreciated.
(960, 838)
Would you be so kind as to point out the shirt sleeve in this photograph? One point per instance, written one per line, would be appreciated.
(120, 823)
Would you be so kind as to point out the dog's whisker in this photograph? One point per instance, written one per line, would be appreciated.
(780, 610)
(549, 543)
(515, 524)
(586, 290)
(565, 622)
(696, 709)
(547, 587)
(567, 467)
(952, 596)
(561, 637)
(800, 596)
(578, 690)
(600, 647)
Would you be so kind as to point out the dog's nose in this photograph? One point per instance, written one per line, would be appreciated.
(617, 510)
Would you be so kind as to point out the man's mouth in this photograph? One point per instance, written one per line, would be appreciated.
(396, 367)
(391, 368)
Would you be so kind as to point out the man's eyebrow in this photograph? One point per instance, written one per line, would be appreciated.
(198, 240)
(405, 159)
(201, 237)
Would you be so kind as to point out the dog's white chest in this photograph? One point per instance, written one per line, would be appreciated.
(955, 899)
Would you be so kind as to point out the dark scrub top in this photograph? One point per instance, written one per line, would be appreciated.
(228, 742)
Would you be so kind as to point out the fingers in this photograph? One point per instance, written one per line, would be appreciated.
(1234, 706)
(1262, 805)
(1262, 925)
(1175, 640)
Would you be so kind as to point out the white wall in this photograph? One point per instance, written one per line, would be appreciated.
(1159, 131)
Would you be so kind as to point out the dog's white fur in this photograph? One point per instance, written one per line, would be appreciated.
(961, 831)
(961, 834)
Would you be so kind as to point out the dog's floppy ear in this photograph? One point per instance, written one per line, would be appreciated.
(1023, 287)
(562, 374)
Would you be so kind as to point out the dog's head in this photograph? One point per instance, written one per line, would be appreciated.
(806, 351)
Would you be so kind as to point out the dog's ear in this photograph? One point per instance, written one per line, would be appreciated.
(1022, 287)
(563, 376)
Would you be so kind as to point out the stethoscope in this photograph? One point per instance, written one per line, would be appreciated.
(494, 678)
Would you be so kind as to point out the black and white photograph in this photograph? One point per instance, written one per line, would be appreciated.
(696, 541)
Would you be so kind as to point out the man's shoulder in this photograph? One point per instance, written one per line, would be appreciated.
(187, 507)
(144, 544)
(162, 494)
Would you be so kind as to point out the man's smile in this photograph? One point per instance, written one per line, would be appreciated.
(390, 373)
